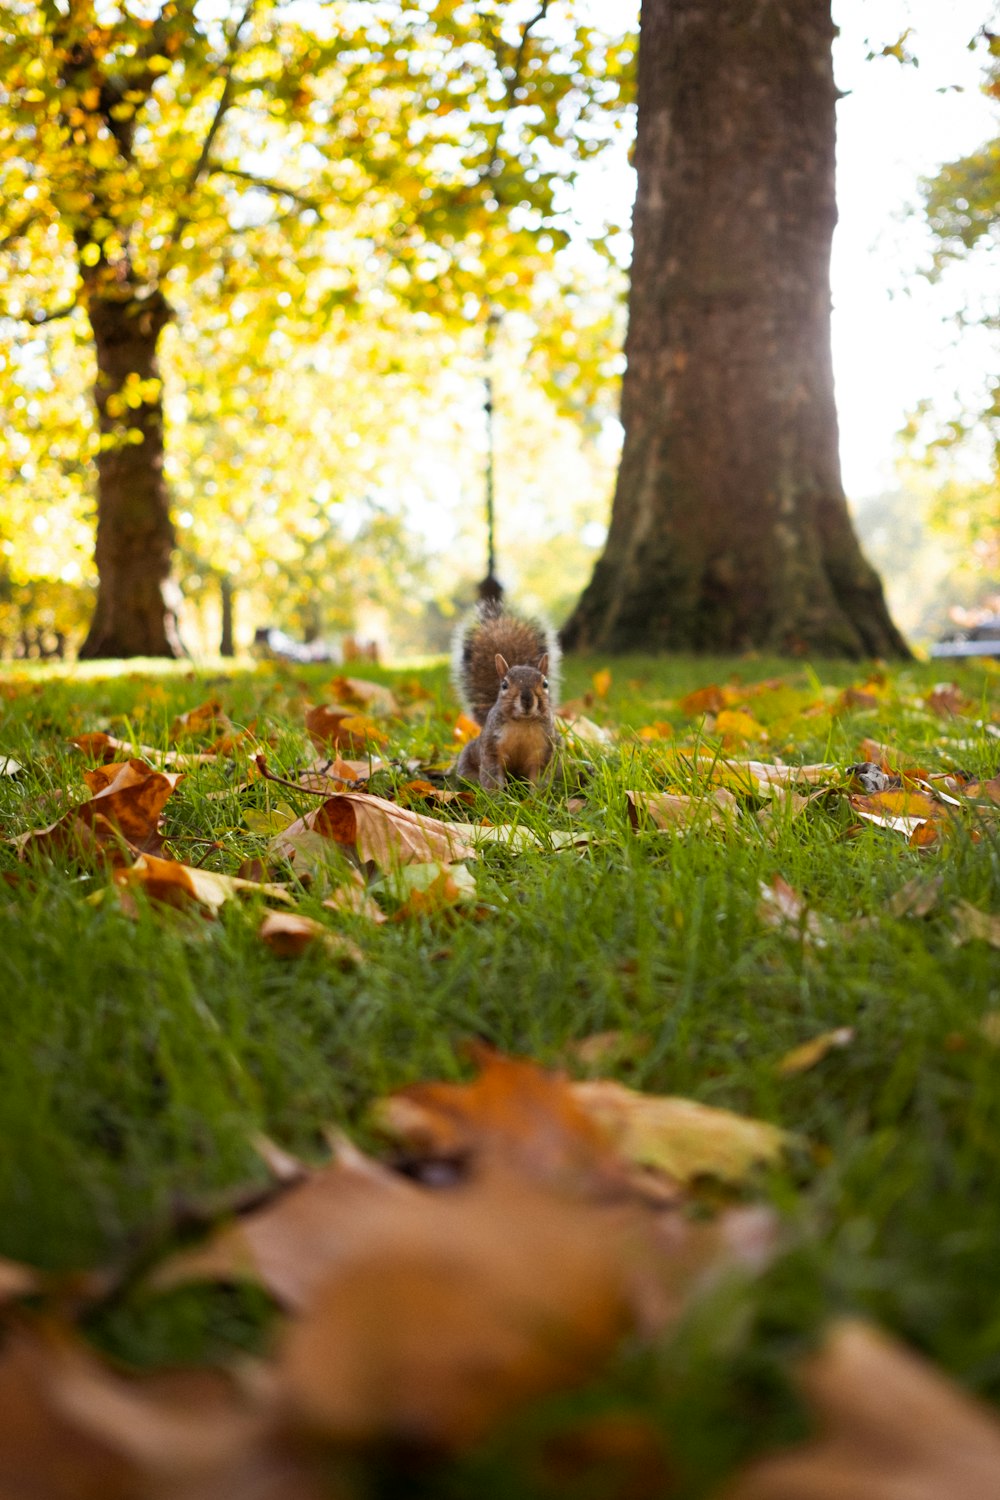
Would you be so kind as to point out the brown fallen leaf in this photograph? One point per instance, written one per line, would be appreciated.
(128, 798)
(72, 1429)
(105, 748)
(289, 934)
(455, 1309)
(800, 1059)
(342, 729)
(670, 810)
(891, 1428)
(553, 1129)
(177, 884)
(381, 831)
(289, 1242)
(198, 720)
(360, 693)
(351, 895)
(946, 699)
(513, 1111)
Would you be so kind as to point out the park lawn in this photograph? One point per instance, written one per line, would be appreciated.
(143, 1047)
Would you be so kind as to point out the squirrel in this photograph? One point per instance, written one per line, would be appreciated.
(505, 669)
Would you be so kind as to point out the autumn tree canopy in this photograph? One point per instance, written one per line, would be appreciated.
(174, 163)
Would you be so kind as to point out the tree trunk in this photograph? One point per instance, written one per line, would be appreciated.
(730, 527)
(226, 591)
(135, 613)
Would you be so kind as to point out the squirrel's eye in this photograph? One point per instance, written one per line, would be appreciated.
(545, 683)
(505, 684)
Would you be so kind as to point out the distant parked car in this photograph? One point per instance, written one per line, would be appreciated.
(979, 640)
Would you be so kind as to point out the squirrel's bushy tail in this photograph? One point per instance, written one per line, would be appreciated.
(489, 629)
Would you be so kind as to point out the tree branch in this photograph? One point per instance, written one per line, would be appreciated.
(221, 110)
(38, 317)
(277, 189)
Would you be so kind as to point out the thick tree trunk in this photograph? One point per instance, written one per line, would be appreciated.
(730, 526)
(134, 614)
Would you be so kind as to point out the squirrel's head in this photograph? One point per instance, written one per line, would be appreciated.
(524, 691)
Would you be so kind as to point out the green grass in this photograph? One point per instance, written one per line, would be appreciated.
(138, 1055)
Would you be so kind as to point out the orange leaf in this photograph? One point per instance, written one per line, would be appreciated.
(466, 729)
(602, 682)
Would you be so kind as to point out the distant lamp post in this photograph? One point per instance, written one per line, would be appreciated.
(490, 589)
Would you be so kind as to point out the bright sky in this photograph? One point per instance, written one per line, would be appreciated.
(894, 340)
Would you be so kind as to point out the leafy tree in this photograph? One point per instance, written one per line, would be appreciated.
(189, 163)
(962, 204)
(730, 526)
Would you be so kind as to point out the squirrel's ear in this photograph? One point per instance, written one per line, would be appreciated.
(543, 664)
(502, 667)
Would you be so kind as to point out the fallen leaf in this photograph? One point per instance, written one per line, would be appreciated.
(602, 682)
(445, 1315)
(426, 889)
(351, 895)
(734, 724)
(680, 1137)
(289, 934)
(891, 1428)
(381, 831)
(706, 700)
(177, 884)
(361, 693)
(197, 720)
(466, 729)
(9, 766)
(946, 699)
(671, 810)
(782, 907)
(342, 729)
(128, 799)
(17, 1280)
(513, 1111)
(800, 1059)
(72, 1429)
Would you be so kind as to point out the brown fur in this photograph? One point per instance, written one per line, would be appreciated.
(501, 666)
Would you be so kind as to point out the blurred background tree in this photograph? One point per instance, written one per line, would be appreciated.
(280, 174)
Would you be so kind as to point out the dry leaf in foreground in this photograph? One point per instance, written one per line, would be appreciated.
(552, 1128)
(680, 1137)
(288, 933)
(72, 1429)
(892, 1428)
(456, 1308)
(127, 801)
(380, 830)
(177, 884)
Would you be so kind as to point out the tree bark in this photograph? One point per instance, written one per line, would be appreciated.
(730, 527)
(135, 613)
